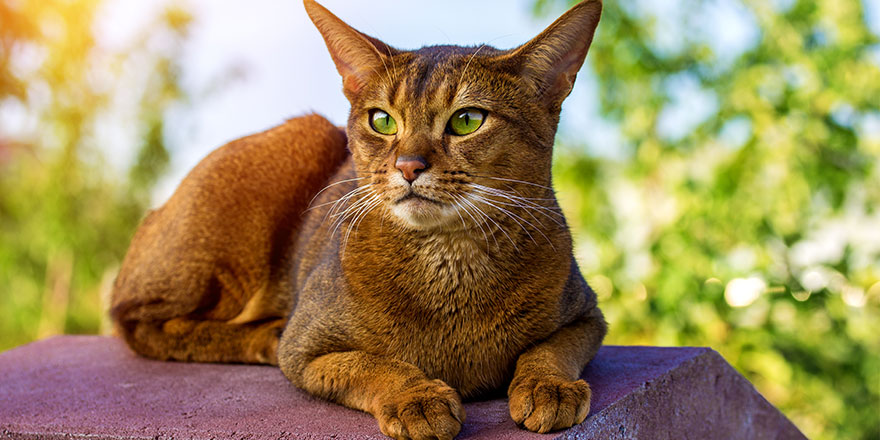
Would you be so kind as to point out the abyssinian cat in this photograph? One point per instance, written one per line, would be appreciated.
(413, 260)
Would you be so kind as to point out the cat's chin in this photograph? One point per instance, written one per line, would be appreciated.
(424, 214)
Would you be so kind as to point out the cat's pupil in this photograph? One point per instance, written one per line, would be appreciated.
(467, 119)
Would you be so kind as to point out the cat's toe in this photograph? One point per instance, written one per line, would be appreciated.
(429, 410)
(549, 403)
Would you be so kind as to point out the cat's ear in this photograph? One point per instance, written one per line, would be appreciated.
(550, 61)
(357, 56)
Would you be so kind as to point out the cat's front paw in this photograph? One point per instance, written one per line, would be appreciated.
(429, 409)
(544, 404)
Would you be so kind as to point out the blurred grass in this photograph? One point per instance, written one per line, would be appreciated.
(739, 210)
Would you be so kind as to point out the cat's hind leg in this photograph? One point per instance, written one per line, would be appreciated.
(206, 324)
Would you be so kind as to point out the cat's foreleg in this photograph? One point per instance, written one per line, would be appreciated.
(545, 393)
(405, 402)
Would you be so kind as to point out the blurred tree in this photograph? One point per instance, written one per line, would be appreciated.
(743, 213)
(65, 216)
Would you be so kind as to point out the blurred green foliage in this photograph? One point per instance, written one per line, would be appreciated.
(755, 229)
(65, 216)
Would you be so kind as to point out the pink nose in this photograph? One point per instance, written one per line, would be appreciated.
(411, 167)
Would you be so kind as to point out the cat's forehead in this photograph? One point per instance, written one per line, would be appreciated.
(437, 76)
(446, 59)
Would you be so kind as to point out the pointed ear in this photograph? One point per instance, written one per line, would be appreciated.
(357, 56)
(550, 62)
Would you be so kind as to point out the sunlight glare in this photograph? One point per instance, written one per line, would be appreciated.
(741, 292)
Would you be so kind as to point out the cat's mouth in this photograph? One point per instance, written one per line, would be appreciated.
(422, 212)
(412, 195)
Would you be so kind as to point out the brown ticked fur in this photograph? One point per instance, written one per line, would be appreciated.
(206, 277)
(397, 298)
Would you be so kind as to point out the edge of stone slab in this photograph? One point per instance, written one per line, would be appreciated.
(611, 423)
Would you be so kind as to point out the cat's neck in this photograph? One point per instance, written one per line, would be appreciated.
(448, 269)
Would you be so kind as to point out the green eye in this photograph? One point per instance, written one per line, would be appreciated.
(466, 121)
(383, 122)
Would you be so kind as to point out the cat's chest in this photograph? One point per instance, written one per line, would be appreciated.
(460, 325)
(474, 353)
(455, 269)
(448, 306)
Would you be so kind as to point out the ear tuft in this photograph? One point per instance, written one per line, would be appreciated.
(550, 61)
(357, 56)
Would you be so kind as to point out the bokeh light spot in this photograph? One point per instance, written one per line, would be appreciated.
(741, 292)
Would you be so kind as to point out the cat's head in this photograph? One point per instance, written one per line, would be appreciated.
(443, 135)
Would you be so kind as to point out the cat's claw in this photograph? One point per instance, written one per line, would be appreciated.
(428, 410)
(544, 404)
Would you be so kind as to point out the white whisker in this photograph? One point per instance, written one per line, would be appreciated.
(333, 202)
(339, 203)
(488, 217)
(355, 205)
(373, 201)
(516, 181)
(517, 219)
(527, 209)
(513, 194)
(468, 64)
(328, 187)
(349, 211)
(519, 202)
(482, 46)
(479, 224)
(469, 208)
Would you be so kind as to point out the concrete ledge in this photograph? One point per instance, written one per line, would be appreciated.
(94, 387)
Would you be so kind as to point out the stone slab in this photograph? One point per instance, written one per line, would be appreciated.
(94, 387)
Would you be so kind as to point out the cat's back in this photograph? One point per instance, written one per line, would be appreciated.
(283, 161)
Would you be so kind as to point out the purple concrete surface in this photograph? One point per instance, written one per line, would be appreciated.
(94, 387)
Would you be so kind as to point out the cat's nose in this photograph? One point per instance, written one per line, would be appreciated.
(411, 166)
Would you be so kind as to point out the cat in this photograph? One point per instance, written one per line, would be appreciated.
(415, 259)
